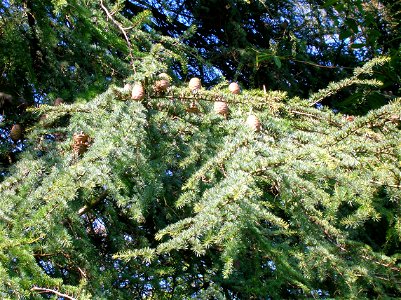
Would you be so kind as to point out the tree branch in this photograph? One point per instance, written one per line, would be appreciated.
(86, 208)
(122, 29)
(386, 184)
(295, 112)
(45, 290)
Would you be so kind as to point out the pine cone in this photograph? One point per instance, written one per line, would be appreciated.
(221, 108)
(234, 88)
(253, 122)
(16, 132)
(58, 101)
(195, 84)
(161, 85)
(81, 142)
(138, 92)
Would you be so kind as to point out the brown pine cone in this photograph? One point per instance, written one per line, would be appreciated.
(16, 132)
(221, 108)
(81, 142)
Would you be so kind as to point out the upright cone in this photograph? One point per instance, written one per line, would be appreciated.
(161, 85)
(195, 84)
(81, 143)
(16, 132)
(253, 122)
(221, 108)
(138, 92)
(234, 88)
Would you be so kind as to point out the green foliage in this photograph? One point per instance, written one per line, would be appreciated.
(172, 204)
(296, 46)
(105, 197)
(367, 69)
(53, 48)
(73, 50)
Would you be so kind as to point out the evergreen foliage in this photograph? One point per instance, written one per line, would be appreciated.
(297, 46)
(169, 202)
(73, 50)
(173, 197)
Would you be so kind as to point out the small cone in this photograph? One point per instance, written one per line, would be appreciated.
(16, 132)
(195, 84)
(234, 88)
(161, 85)
(58, 101)
(5, 99)
(253, 122)
(138, 93)
(44, 121)
(221, 108)
(80, 143)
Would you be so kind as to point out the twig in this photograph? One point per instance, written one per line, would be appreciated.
(190, 98)
(201, 97)
(86, 208)
(386, 184)
(44, 290)
(83, 274)
(295, 112)
(388, 265)
(319, 65)
(122, 29)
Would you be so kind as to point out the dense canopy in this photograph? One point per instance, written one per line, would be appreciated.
(118, 179)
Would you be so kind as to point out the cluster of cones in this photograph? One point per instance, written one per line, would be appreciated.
(220, 107)
(80, 144)
(81, 141)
